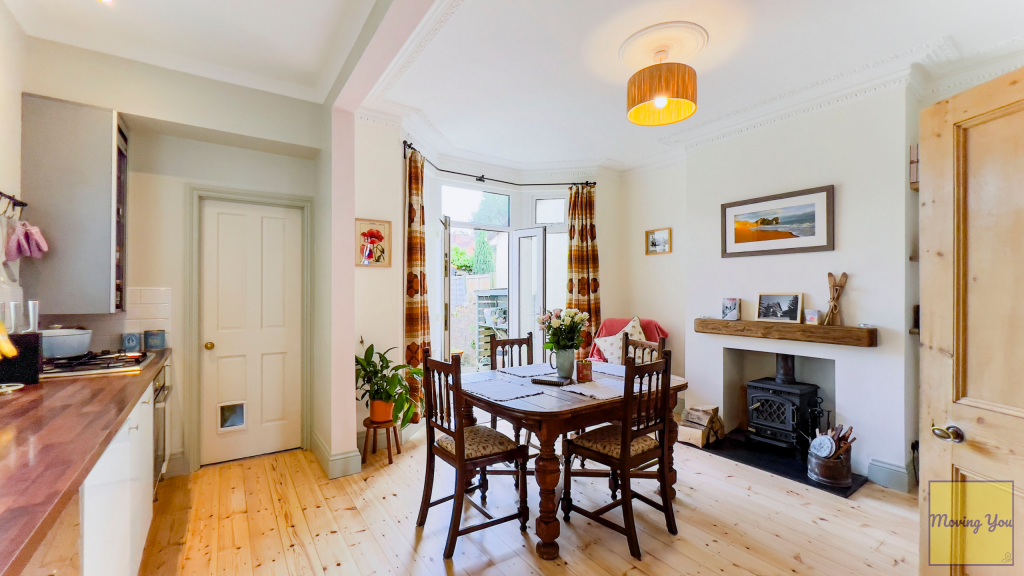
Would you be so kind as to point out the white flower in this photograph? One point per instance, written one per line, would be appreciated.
(586, 315)
(556, 323)
(570, 312)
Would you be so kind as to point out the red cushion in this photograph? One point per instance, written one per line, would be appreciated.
(612, 326)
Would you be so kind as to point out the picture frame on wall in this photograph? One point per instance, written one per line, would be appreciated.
(658, 241)
(780, 307)
(373, 243)
(789, 223)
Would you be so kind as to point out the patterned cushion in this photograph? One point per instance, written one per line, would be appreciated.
(480, 441)
(607, 440)
(611, 346)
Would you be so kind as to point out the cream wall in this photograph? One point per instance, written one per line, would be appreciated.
(656, 198)
(860, 147)
(380, 195)
(161, 168)
(69, 73)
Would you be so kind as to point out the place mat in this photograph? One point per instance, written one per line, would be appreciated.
(598, 388)
(485, 376)
(528, 371)
(500, 391)
(612, 369)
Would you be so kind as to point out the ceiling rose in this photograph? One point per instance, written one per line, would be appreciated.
(666, 92)
(681, 41)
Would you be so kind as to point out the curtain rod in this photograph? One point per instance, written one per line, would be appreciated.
(406, 146)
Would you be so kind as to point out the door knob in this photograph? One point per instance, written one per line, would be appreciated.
(208, 345)
(949, 434)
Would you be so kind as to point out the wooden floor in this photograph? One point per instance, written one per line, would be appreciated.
(280, 515)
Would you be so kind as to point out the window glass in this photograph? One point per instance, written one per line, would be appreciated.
(550, 211)
(483, 208)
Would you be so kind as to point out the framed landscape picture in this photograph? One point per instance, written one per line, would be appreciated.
(780, 307)
(801, 221)
(373, 243)
(658, 241)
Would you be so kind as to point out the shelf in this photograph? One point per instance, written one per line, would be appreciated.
(838, 335)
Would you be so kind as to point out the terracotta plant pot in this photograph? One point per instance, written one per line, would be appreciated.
(381, 411)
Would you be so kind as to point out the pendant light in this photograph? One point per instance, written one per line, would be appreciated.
(664, 93)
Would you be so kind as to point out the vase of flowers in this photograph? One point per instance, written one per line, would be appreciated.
(564, 329)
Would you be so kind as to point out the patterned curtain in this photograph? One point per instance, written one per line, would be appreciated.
(584, 285)
(417, 319)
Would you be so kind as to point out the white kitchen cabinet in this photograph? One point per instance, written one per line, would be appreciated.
(74, 177)
(117, 498)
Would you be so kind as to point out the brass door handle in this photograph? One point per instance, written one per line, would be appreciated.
(949, 434)
(208, 345)
(755, 406)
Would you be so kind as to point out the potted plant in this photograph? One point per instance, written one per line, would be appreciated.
(564, 329)
(385, 391)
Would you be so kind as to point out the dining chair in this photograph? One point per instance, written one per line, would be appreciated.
(465, 448)
(641, 351)
(511, 349)
(627, 447)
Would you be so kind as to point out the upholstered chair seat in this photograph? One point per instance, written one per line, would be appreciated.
(608, 440)
(480, 441)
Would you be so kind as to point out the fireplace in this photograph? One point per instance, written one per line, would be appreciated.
(779, 409)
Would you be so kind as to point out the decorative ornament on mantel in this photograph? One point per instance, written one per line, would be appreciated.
(666, 92)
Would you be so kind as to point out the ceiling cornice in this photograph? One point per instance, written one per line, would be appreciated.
(930, 71)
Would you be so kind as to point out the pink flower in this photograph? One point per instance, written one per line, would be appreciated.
(558, 312)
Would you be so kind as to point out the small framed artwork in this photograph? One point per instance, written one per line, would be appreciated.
(373, 243)
(659, 241)
(730, 308)
(784, 307)
(813, 317)
(801, 221)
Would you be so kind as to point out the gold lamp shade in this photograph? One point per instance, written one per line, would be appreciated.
(662, 94)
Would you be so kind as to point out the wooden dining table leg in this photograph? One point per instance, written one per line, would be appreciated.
(672, 433)
(547, 471)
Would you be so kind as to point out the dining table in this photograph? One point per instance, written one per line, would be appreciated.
(550, 411)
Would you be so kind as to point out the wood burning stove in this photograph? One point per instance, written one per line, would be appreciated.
(779, 409)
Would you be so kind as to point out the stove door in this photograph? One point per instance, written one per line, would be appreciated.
(772, 410)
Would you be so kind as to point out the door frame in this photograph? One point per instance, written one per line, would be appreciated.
(192, 396)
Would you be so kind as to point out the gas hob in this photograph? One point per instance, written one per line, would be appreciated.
(94, 363)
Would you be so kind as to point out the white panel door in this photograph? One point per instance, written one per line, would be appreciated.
(527, 300)
(251, 329)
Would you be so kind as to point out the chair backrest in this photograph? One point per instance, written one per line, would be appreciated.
(511, 349)
(641, 351)
(646, 393)
(442, 390)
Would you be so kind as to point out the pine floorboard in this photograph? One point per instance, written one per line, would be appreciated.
(279, 515)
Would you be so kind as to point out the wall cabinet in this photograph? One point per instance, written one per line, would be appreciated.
(117, 498)
(74, 176)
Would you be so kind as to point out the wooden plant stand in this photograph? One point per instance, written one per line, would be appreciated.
(371, 430)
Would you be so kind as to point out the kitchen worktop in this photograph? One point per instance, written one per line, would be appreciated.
(51, 435)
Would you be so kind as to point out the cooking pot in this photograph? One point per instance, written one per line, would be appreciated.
(66, 342)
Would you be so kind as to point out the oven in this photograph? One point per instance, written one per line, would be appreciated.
(161, 424)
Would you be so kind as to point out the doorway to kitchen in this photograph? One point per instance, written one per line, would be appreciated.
(249, 325)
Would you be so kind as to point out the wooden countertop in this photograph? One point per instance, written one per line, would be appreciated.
(51, 435)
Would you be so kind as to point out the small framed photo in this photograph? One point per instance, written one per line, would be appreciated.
(780, 307)
(730, 308)
(373, 243)
(659, 241)
(813, 316)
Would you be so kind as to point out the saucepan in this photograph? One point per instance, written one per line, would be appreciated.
(65, 342)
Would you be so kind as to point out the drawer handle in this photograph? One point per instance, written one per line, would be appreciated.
(145, 401)
(136, 427)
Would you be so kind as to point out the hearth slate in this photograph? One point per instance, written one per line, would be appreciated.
(778, 461)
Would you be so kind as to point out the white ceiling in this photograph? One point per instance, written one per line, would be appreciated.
(294, 48)
(538, 84)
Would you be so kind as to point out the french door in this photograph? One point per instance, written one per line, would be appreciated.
(528, 285)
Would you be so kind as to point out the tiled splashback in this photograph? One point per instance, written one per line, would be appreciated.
(148, 309)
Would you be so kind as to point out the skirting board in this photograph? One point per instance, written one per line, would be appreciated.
(891, 476)
(177, 465)
(336, 465)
